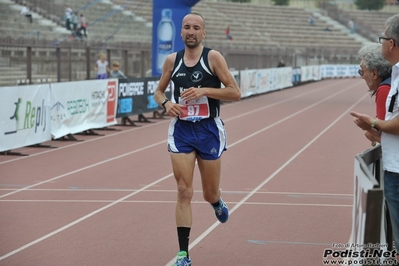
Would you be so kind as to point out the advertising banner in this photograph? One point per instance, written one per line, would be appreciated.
(341, 71)
(82, 105)
(136, 96)
(265, 81)
(283, 77)
(328, 71)
(248, 82)
(257, 81)
(24, 116)
(310, 73)
(167, 23)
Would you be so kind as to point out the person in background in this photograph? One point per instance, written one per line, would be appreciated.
(26, 12)
(74, 20)
(311, 20)
(101, 67)
(196, 133)
(83, 25)
(67, 16)
(116, 73)
(376, 72)
(228, 34)
(388, 128)
(77, 34)
(351, 26)
(281, 64)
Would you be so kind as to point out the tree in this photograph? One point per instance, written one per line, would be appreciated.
(241, 1)
(281, 2)
(369, 4)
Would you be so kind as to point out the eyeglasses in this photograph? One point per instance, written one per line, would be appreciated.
(383, 38)
(361, 72)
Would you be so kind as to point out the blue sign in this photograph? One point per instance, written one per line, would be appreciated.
(167, 22)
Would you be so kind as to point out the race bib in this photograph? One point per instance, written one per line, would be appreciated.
(195, 110)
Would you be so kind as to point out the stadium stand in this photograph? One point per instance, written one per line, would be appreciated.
(15, 25)
(106, 21)
(263, 34)
(374, 20)
(251, 24)
(260, 25)
(369, 23)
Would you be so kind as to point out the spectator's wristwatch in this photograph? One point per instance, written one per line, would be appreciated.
(373, 124)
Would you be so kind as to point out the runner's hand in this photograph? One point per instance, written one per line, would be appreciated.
(192, 94)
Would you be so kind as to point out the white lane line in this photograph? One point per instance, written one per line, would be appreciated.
(286, 100)
(88, 189)
(212, 227)
(81, 219)
(162, 142)
(84, 168)
(82, 142)
(174, 202)
(134, 129)
(155, 182)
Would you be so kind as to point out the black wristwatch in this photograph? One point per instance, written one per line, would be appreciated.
(164, 102)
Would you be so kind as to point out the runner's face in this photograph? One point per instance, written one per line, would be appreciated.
(192, 31)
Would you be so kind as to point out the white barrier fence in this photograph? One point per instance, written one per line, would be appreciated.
(24, 116)
(82, 105)
(32, 114)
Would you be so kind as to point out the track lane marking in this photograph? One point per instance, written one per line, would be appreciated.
(134, 129)
(210, 229)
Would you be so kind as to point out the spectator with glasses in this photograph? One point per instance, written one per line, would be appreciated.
(389, 127)
(376, 72)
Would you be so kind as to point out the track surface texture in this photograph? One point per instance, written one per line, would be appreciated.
(109, 200)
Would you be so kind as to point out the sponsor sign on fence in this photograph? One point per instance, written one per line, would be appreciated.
(24, 116)
(82, 105)
(136, 96)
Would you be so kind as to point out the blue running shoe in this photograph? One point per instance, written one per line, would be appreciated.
(182, 259)
(222, 211)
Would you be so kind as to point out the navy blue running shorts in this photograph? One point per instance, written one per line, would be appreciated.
(206, 137)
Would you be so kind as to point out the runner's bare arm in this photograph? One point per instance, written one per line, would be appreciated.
(164, 81)
(171, 108)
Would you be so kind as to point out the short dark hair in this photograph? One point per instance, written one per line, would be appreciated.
(198, 14)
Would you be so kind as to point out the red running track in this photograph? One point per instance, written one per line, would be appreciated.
(109, 200)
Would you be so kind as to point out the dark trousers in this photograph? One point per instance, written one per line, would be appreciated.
(84, 31)
(29, 16)
(68, 24)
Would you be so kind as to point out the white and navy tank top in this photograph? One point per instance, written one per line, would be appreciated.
(197, 76)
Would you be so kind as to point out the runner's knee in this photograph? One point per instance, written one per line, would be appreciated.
(211, 196)
(184, 193)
